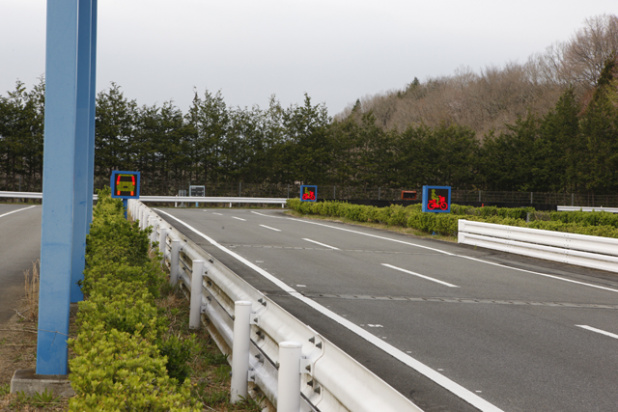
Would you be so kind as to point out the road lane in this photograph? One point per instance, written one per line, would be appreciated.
(20, 242)
(507, 334)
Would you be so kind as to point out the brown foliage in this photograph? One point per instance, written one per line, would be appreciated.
(490, 100)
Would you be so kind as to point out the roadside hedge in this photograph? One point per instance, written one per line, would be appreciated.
(124, 359)
(394, 215)
(588, 223)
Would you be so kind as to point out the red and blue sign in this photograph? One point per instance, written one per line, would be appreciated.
(437, 199)
(125, 185)
(308, 193)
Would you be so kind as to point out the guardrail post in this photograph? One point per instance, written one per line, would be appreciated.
(163, 240)
(143, 217)
(240, 350)
(155, 229)
(196, 294)
(174, 261)
(288, 379)
(153, 225)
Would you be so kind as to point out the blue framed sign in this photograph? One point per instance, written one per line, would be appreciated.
(125, 185)
(437, 199)
(308, 193)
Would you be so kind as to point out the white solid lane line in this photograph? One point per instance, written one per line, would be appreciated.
(600, 331)
(18, 210)
(270, 228)
(321, 244)
(450, 285)
(546, 275)
(425, 370)
(239, 218)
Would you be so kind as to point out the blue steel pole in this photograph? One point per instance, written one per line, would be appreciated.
(84, 47)
(58, 187)
(91, 135)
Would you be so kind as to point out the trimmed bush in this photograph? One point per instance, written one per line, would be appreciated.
(588, 223)
(124, 359)
(394, 215)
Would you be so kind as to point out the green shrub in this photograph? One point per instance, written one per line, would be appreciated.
(589, 223)
(97, 268)
(586, 218)
(178, 352)
(120, 371)
(125, 307)
(123, 359)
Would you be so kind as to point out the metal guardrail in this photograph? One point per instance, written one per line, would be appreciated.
(587, 209)
(581, 250)
(271, 352)
(172, 199)
(224, 200)
(330, 193)
(21, 195)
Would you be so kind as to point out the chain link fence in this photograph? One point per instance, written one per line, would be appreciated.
(387, 194)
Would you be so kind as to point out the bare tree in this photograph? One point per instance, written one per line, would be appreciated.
(579, 62)
(591, 47)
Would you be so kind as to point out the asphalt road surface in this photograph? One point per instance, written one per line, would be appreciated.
(20, 246)
(451, 327)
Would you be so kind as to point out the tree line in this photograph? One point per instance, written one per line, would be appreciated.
(573, 148)
(486, 132)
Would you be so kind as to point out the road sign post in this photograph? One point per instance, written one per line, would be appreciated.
(437, 199)
(308, 193)
(197, 191)
(125, 186)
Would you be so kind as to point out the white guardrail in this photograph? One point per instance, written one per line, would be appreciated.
(581, 250)
(587, 209)
(173, 199)
(21, 195)
(271, 352)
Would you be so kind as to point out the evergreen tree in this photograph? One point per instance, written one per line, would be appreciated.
(304, 153)
(211, 118)
(511, 161)
(414, 157)
(599, 126)
(21, 137)
(563, 149)
(115, 123)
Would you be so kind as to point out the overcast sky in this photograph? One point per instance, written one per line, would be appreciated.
(336, 51)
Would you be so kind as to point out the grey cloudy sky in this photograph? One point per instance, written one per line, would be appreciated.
(334, 50)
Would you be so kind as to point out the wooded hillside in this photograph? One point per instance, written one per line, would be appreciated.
(490, 100)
